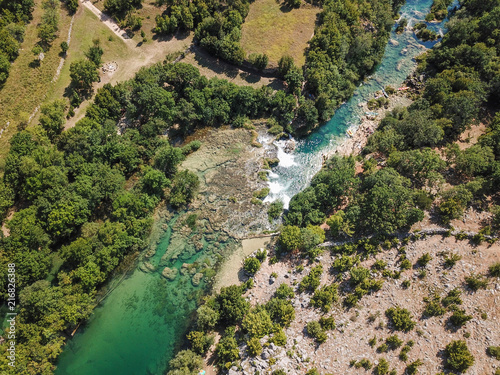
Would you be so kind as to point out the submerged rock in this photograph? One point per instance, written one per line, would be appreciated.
(147, 267)
(170, 273)
(197, 279)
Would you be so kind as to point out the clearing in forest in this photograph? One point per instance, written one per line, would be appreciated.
(276, 30)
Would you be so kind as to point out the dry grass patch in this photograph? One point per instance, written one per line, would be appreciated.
(27, 86)
(275, 31)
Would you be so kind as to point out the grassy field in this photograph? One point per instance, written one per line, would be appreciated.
(27, 86)
(86, 28)
(271, 29)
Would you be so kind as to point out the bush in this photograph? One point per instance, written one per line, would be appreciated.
(424, 260)
(290, 238)
(453, 298)
(275, 210)
(393, 342)
(458, 357)
(434, 308)
(405, 264)
(324, 297)
(382, 368)
(311, 281)
(257, 323)
(450, 261)
(400, 319)
(261, 255)
(494, 270)
(476, 282)
(227, 350)
(327, 323)
(185, 362)
(200, 342)
(459, 318)
(254, 348)
(281, 311)
(285, 292)
(251, 265)
(315, 330)
(412, 368)
(279, 338)
(494, 351)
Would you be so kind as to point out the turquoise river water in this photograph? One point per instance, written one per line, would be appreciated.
(140, 324)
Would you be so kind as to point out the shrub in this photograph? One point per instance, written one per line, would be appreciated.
(405, 264)
(185, 362)
(311, 281)
(458, 357)
(324, 297)
(379, 265)
(327, 323)
(254, 348)
(200, 342)
(227, 350)
(453, 298)
(315, 330)
(290, 238)
(400, 319)
(393, 342)
(279, 372)
(312, 371)
(281, 311)
(494, 270)
(284, 292)
(251, 265)
(434, 308)
(494, 351)
(279, 338)
(450, 261)
(275, 209)
(257, 323)
(459, 318)
(261, 255)
(382, 368)
(424, 260)
(476, 282)
(412, 368)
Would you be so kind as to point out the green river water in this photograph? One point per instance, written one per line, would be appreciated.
(142, 321)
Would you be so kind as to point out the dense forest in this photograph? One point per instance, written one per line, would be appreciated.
(412, 164)
(84, 197)
(349, 41)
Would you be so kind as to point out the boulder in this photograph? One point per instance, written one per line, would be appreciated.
(170, 273)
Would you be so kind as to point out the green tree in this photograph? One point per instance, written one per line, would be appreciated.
(257, 323)
(232, 306)
(4, 68)
(52, 117)
(83, 74)
(207, 317)
(290, 238)
(251, 265)
(185, 362)
(185, 187)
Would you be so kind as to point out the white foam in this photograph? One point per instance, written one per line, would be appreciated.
(286, 160)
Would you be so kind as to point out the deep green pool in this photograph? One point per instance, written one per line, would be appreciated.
(136, 329)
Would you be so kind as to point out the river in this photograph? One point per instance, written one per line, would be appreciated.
(139, 325)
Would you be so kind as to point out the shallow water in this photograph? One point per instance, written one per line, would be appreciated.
(296, 170)
(137, 328)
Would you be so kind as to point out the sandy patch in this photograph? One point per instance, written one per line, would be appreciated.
(228, 273)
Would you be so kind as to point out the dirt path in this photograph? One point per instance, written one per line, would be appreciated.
(109, 22)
